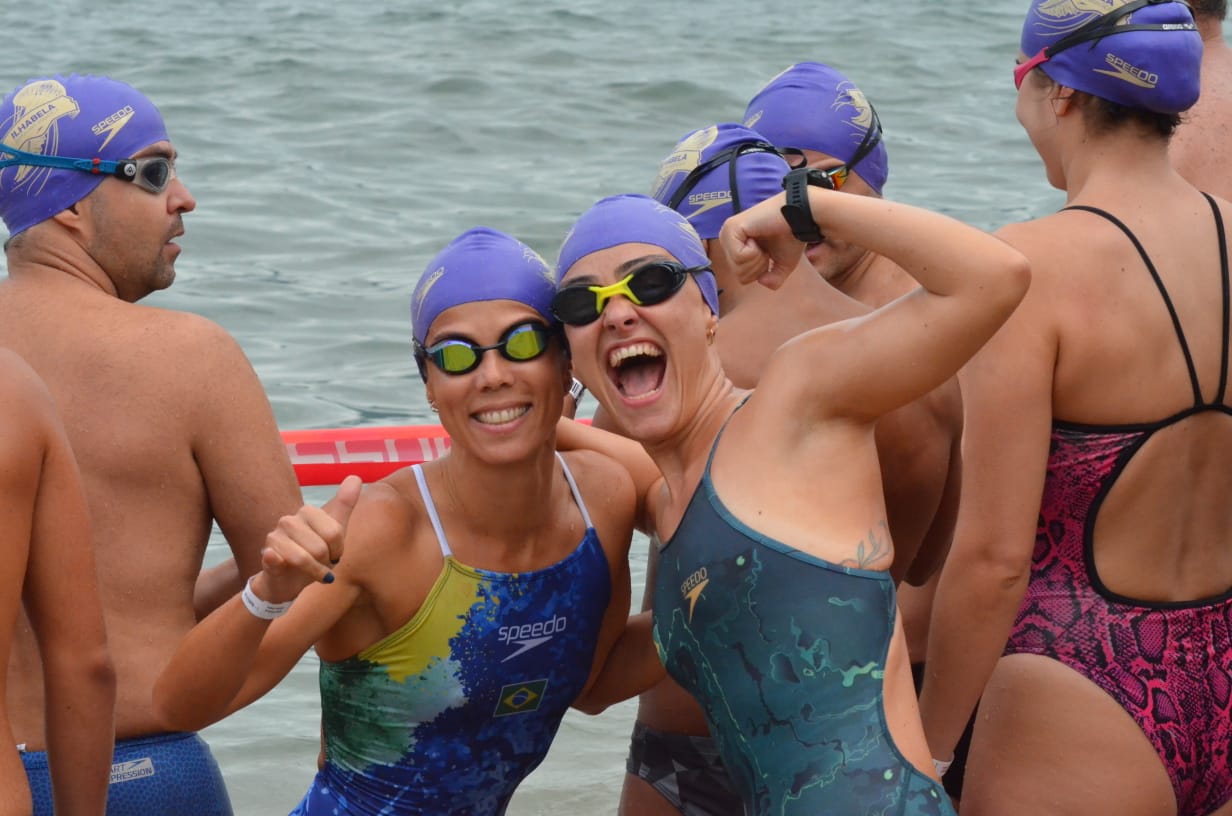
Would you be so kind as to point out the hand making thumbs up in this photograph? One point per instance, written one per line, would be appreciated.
(304, 547)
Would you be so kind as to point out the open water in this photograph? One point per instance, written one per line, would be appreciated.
(334, 146)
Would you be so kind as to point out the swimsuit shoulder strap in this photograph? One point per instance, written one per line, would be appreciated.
(1163, 292)
(1227, 297)
(714, 446)
(432, 514)
(577, 494)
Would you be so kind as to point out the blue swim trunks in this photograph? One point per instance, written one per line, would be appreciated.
(164, 774)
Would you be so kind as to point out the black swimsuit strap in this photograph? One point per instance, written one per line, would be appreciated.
(1163, 292)
(1227, 298)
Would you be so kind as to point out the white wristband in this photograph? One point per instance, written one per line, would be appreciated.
(262, 609)
(942, 766)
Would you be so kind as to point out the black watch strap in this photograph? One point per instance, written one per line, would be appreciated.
(797, 212)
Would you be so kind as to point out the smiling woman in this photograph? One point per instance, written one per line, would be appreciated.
(773, 604)
(468, 602)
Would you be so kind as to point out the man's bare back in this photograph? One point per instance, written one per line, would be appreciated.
(166, 417)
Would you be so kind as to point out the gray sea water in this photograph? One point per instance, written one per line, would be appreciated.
(334, 146)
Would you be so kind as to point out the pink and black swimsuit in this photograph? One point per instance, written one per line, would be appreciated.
(1168, 664)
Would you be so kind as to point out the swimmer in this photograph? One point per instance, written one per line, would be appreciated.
(711, 174)
(773, 604)
(168, 422)
(48, 568)
(1094, 523)
(475, 598)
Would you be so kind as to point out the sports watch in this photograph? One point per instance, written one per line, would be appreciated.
(796, 212)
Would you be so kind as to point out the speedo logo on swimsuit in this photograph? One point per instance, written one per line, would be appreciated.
(692, 588)
(529, 635)
(135, 769)
(112, 124)
(1130, 73)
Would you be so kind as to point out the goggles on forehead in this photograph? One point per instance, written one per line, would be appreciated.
(647, 285)
(728, 157)
(1098, 28)
(454, 356)
(837, 176)
(151, 174)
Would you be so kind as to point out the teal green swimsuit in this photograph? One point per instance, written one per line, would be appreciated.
(786, 654)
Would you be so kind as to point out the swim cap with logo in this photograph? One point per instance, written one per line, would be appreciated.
(80, 117)
(1137, 53)
(638, 219)
(716, 172)
(481, 264)
(811, 106)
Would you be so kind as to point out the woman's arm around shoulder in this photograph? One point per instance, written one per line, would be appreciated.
(647, 481)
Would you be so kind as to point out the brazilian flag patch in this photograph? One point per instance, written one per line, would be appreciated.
(519, 698)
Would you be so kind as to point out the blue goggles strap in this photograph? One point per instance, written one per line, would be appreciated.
(124, 169)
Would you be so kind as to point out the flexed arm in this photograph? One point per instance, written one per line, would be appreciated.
(971, 282)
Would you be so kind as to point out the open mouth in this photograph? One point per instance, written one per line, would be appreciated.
(637, 370)
(501, 416)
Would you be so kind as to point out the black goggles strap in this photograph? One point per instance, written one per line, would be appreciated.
(1106, 25)
(872, 138)
(729, 157)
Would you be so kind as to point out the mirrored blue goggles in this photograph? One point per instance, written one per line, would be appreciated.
(523, 342)
(151, 174)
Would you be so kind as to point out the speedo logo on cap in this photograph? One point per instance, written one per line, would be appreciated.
(527, 636)
(1129, 72)
(112, 124)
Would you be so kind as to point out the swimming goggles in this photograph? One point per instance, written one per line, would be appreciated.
(151, 174)
(647, 285)
(454, 356)
(728, 157)
(1097, 28)
(837, 176)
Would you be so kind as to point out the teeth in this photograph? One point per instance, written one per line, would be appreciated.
(636, 350)
(502, 416)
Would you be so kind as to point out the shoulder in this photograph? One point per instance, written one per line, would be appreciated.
(385, 518)
(184, 334)
(604, 483)
(608, 491)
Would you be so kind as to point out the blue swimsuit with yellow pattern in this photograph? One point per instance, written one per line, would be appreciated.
(452, 711)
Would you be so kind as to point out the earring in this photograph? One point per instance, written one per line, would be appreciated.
(432, 405)
(709, 337)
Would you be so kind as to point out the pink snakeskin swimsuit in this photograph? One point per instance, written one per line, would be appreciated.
(1168, 664)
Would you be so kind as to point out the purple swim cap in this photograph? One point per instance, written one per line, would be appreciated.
(1137, 53)
(811, 106)
(638, 219)
(716, 172)
(80, 117)
(481, 264)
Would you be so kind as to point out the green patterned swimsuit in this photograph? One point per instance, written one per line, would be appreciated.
(786, 654)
